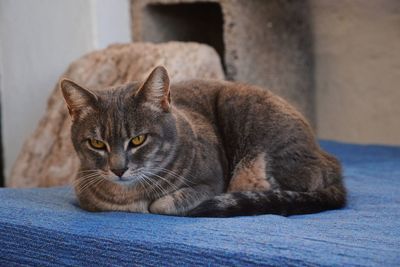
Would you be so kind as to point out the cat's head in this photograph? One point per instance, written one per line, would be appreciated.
(121, 132)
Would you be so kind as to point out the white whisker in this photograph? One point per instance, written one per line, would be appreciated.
(183, 180)
(162, 191)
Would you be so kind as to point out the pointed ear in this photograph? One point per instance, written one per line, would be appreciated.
(155, 90)
(80, 101)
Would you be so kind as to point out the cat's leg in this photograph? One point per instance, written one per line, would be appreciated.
(250, 174)
(182, 200)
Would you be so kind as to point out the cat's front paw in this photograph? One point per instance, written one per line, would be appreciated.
(164, 205)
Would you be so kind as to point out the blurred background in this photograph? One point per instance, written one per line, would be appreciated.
(352, 48)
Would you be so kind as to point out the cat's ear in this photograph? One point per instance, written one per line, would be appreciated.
(80, 101)
(155, 90)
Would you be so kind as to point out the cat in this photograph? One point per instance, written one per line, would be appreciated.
(199, 148)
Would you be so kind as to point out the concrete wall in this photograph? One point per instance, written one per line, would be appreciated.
(262, 42)
(357, 53)
(38, 39)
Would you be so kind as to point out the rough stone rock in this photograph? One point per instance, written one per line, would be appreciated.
(261, 42)
(47, 157)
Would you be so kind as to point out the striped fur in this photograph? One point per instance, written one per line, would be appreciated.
(271, 202)
(213, 148)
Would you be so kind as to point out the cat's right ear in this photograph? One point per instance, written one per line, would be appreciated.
(80, 101)
(155, 90)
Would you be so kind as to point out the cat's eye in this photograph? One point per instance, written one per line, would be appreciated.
(138, 140)
(97, 144)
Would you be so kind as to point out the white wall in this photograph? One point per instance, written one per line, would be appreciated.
(112, 20)
(38, 39)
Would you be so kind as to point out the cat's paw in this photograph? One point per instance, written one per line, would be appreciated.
(164, 205)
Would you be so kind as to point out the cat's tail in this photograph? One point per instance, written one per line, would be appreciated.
(271, 202)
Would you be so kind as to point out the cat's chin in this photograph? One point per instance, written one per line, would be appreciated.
(124, 181)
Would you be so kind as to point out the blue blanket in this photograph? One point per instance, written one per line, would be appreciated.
(45, 227)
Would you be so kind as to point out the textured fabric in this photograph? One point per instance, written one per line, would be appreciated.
(45, 227)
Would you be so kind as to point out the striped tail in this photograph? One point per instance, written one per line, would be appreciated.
(271, 202)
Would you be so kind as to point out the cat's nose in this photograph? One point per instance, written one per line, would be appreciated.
(119, 172)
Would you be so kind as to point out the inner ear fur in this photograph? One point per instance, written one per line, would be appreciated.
(80, 101)
(155, 90)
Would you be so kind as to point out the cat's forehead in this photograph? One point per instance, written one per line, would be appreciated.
(119, 116)
(114, 123)
(117, 93)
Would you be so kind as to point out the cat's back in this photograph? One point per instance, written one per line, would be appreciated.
(197, 95)
(208, 95)
(244, 112)
(239, 100)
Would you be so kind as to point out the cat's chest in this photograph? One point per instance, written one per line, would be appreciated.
(140, 206)
(105, 199)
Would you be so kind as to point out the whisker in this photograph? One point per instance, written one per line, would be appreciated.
(148, 182)
(84, 186)
(146, 188)
(86, 181)
(84, 171)
(159, 189)
(164, 179)
(182, 179)
(171, 171)
(141, 184)
(99, 182)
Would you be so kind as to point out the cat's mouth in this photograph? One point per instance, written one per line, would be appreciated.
(126, 181)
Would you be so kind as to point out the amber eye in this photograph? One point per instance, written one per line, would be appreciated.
(97, 144)
(138, 140)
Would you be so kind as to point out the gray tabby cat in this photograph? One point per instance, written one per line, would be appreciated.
(197, 148)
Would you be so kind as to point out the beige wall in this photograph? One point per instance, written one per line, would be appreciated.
(357, 52)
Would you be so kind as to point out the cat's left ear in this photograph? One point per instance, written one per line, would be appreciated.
(155, 90)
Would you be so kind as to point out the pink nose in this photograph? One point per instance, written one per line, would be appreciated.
(119, 172)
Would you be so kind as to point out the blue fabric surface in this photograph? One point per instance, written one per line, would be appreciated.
(45, 227)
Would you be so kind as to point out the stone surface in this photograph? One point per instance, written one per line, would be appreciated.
(267, 43)
(47, 157)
